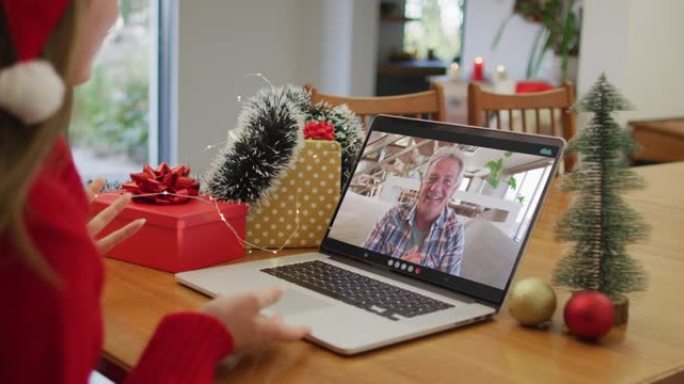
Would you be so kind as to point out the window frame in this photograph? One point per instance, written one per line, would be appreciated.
(163, 142)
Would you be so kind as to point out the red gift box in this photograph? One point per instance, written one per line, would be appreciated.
(178, 237)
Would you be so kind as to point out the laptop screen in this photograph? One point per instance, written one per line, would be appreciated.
(449, 205)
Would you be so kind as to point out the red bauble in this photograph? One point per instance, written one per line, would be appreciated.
(589, 314)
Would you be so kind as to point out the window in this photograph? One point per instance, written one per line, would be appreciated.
(465, 183)
(113, 128)
(528, 192)
(438, 35)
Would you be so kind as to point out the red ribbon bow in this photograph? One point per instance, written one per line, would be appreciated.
(319, 130)
(165, 182)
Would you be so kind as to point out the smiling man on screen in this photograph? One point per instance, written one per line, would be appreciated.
(427, 233)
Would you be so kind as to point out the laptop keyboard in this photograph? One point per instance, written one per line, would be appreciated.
(358, 290)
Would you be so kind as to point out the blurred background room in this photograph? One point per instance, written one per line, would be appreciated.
(169, 83)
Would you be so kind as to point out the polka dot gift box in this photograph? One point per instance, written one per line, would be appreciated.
(299, 210)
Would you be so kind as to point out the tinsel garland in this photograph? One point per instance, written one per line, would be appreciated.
(599, 223)
(268, 138)
(349, 131)
(270, 132)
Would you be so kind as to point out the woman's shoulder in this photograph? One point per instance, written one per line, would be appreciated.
(60, 165)
(57, 215)
(56, 195)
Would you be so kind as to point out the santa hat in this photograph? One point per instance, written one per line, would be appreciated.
(31, 89)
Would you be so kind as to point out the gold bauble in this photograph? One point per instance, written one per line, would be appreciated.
(532, 301)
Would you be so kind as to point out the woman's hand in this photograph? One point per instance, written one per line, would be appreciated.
(104, 217)
(240, 314)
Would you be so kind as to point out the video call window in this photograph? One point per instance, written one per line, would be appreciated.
(458, 209)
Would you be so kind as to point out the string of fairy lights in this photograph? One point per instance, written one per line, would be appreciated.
(210, 200)
(231, 132)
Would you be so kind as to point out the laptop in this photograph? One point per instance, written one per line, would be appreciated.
(420, 242)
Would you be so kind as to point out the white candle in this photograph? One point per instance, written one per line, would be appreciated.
(500, 72)
(454, 71)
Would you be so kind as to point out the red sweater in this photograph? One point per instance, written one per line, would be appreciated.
(53, 334)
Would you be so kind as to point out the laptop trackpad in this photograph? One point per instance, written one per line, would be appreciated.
(294, 302)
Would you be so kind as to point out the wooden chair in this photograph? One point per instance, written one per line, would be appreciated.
(483, 107)
(427, 105)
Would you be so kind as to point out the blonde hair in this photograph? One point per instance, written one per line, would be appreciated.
(23, 147)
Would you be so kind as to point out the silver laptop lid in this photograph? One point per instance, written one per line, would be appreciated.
(450, 205)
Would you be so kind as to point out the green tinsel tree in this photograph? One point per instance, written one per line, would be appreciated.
(600, 223)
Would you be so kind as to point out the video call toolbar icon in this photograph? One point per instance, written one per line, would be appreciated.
(403, 266)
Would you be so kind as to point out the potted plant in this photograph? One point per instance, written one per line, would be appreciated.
(496, 168)
(560, 31)
(496, 176)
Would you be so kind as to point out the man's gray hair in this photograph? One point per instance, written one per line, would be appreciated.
(449, 152)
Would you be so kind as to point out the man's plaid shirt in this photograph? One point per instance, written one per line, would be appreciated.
(443, 245)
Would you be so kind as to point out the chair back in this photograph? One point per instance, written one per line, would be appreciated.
(426, 105)
(548, 112)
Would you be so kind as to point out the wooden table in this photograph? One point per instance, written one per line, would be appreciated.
(649, 348)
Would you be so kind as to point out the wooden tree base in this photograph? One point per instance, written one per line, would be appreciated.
(621, 306)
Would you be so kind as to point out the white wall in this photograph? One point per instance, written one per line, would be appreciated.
(349, 42)
(604, 42)
(638, 44)
(654, 67)
(482, 21)
(333, 44)
(220, 42)
(365, 44)
(338, 20)
(289, 41)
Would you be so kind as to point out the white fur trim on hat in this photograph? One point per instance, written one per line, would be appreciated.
(31, 90)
